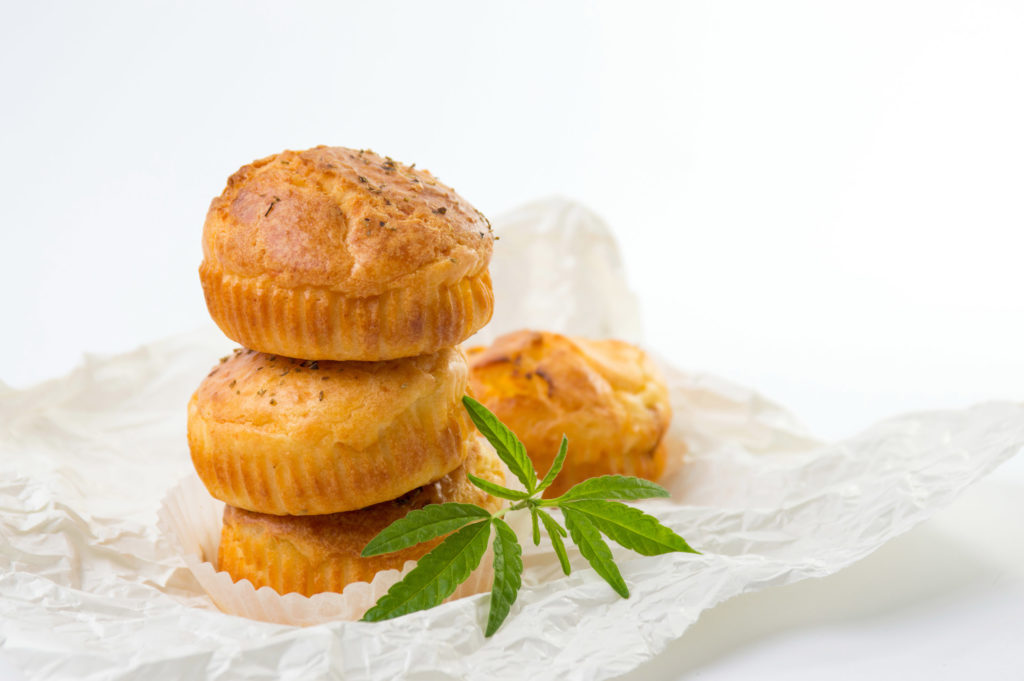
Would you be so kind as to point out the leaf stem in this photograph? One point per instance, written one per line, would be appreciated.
(518, 506)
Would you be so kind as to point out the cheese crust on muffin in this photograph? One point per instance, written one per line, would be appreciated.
(605, 395)
(334, 253)
(310, 554)
(286, 436)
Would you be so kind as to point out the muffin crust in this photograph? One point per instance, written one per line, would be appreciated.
(605, 395)
(334, 253)
(281, 436)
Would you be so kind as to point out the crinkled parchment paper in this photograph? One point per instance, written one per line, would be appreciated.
(89, 588)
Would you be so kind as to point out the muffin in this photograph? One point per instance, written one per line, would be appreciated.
(277, 435)
(605, 395)
(310, 554)
(333, 253)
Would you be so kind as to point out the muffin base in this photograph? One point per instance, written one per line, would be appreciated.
(313, 554)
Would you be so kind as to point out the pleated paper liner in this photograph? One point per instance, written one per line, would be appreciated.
(191, 519)
(316, 322)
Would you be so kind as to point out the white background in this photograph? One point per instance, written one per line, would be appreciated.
(820, 200)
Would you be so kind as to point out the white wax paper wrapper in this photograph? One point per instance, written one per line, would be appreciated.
(192, 520)
(90, 589)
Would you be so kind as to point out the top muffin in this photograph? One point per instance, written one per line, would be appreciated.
(335, 253)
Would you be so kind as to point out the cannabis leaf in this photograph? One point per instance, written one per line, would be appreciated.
(556, 465)
(508, 570)
(593, 548)
(436, 575)
(504, 441)
(555, 534)
(614, 487)
(589, 509)
(423, 525)
(627, 526)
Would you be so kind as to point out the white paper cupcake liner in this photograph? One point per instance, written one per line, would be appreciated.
(191, 519)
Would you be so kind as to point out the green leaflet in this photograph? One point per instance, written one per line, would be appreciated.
(508, 570)
(422, 525)
(505, 442)
(593, 548)
(495, 489)
(629, 526)
(436, 575)
(613, 487)
(556, 465)
(556, 532)
(588, 514)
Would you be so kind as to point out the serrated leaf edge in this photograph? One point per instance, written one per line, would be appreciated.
(556, 465)
(382, 610)
(588, 539)
(628, 488)
(496, 489)
(399, 528)
(504, 540)
(635, 519)
(555, 534)
(506, 443)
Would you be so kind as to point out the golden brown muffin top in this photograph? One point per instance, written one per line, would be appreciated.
(343, 219)
(352, 402)
(349, 532)
(565, 373)
(605, 395)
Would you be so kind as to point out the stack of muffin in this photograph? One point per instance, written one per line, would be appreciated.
(350, 279)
